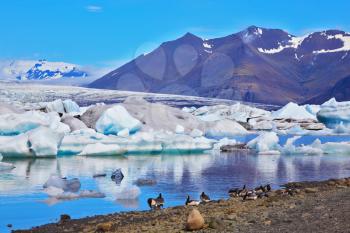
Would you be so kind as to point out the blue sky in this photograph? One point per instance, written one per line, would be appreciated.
(110, 32)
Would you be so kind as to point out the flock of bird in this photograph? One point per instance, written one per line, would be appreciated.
(246, 194)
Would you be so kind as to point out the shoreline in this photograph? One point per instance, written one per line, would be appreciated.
(318, 206)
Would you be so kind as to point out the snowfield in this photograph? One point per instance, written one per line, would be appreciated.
(42, 121)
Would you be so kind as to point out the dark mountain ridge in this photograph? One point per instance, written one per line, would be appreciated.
(256, 64)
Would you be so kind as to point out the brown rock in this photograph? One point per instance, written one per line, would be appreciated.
(104, 227)
(311, 190)
(195, 221)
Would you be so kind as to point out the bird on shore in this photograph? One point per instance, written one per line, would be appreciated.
(250, 195)
(156, 203)
(204, 197)
(160, 200)
(236, 192)
(191, 202)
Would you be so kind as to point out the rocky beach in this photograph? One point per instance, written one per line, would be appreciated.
(297, 207)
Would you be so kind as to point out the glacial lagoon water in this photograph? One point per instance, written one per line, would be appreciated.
(24, 204)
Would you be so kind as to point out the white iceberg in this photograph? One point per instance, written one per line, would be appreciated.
(14, 124)
(224, 142)
(265, 143)
(116, 119)
(73, 123)
(40, 142)
(70, 106)
(333, 113)
(44, 141)
(102, 149)
(224, 128)
(238, 112)
(293, 111)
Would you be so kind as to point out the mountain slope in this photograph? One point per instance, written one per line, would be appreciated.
(40, 70)
(257, 64)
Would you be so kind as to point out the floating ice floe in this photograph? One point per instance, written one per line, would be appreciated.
(224, 142)
(99, 149)
(40, 142)
(116, 119)
(224, 128)
(73, 123)
(293, 111)
(265, 143)
(333, 113)
(238, 112)
(59, 106)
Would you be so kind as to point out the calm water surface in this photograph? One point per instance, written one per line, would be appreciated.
(24, 204)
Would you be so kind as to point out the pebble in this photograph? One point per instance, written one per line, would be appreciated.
(195, 221)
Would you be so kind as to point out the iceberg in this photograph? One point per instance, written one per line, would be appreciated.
(99, 149)
(237, 112)
(70, 106)
(92, 114)
(224, 142)
(7, 109)
(333, 113)
(40, 142)
(44, 142)
(293, 111)
(157, 117)
(54, 106)
(265, 143)
(73, 123)
(15, 146)
(15, 124)
(224, 128)
(116, 119)
(290, 148)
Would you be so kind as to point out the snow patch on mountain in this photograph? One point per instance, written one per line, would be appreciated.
(294, 42)
(39, 70)
(345, 38)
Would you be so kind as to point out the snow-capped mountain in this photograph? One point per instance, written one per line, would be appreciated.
(40, 70)
(256, 64)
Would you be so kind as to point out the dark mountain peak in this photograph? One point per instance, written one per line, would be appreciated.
(257, 64)
(190, 36)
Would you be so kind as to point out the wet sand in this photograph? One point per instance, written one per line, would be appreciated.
(307, 207)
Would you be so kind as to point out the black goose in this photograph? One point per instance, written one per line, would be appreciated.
(160, 200)
(204, 197)
(191, 202)
(156, 203)
(250, 195)
(237, 192)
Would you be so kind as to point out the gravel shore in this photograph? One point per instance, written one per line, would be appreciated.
(305, 207)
